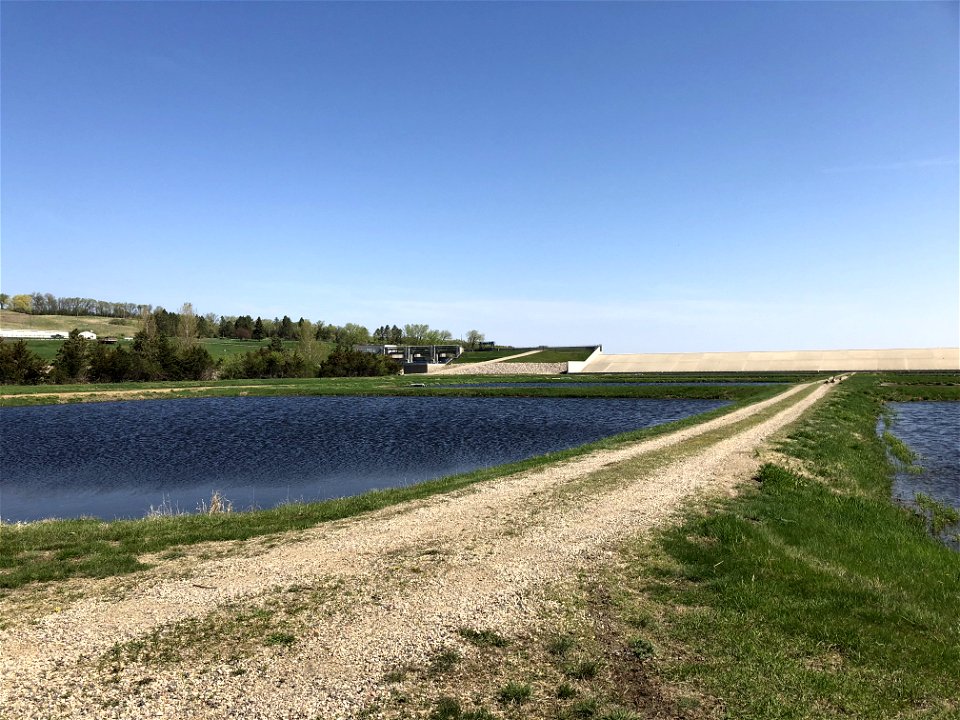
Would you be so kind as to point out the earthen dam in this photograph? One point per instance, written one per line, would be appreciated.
(772, 361)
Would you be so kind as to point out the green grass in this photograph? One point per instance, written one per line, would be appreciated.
(473, 356)
(545, 355)
(47, 349)
(483, 638)
(514, 693)
(399, 385)
(57, 549)
(808, 597)
(223, 348)
(555, 356)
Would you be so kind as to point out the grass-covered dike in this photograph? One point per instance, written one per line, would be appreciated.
(810, 595)
(807, 595)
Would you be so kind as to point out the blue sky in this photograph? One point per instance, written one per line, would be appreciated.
(653, 176)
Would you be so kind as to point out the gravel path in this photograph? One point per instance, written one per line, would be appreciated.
(407, 579)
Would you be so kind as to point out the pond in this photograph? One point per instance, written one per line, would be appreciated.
(122, 459)
(574, 383)
(932, 431)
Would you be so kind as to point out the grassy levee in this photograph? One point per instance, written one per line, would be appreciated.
(554, 356)
(475, 356)
(403, 386)
(810, 595)
(57, 549)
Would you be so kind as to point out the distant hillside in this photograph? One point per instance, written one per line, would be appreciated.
(10, 320)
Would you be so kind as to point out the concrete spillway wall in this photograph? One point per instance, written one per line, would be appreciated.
(773, 361)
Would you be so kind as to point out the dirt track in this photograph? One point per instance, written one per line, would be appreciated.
(381, 590)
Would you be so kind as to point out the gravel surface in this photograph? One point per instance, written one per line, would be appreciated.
(503, 368)
(380, 591)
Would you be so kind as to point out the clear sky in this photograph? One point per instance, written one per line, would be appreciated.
(653, 176)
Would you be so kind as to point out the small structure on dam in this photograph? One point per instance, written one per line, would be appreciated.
(415, 358)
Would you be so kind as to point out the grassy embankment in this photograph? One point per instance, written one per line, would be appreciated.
(810, 595)
(53, 550)
(475, 356)
(555, 355)
(572, 386)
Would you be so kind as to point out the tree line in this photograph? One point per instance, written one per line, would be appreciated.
(48, 304)
(153, 356)
(240, 327)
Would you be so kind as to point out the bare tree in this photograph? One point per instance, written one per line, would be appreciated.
(187, 326)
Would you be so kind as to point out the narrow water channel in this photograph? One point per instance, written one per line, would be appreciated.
(932, 431)
(121, 459)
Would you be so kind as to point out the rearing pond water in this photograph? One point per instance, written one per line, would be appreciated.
(120, 459)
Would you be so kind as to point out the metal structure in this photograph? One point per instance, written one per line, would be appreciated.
(415, 354)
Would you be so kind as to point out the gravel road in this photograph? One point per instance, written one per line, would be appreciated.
(371, 593)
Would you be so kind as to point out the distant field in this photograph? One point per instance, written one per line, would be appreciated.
(555, 356)
(10, 320)
(224, 348)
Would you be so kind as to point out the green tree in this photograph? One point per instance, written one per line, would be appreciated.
(324, 331)
(4, 300)
(226, 329)
(438, 337)
(415, 334)
(19, 365)
(258, 332)
(346, 362)
(286, 330)
(70, 365)
(474, 338)
(156, 357)
(352, 334)
(196, 363)
(244, 322)
(304, 329)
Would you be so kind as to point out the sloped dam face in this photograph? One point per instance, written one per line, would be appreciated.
(114, 460)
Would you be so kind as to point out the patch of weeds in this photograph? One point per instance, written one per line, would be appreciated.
(443, 661)
(584, 709)
(583, 669)
(565, 691)
(640, 619)
(514, 693)
(483, 638)
(938, 515)
(396, 675)
(279, 638)
(448, 708)
(619, 714)
(560, 644)
(640, 647)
